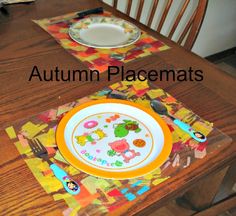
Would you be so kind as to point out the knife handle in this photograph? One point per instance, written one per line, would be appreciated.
(69, 184)
(82, 14)
(187, 128)
(3, 9)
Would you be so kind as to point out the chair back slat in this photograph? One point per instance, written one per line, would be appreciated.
(191, 28)
(186, 28)
(164, 15)
(115, 2)
(197, 23)
(140, 8)
(177, 21)
(152, 14)
(129, 7)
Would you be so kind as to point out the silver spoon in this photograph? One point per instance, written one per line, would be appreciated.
(117, 95)
(161, 109)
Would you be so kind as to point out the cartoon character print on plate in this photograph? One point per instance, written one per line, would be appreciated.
(122, 148)
(139, 143)
(92, 137)
(122, 129)
(112, 118)
(113, 143)
(90, 124)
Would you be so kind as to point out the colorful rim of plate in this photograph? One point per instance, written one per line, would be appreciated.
(162, 157)
(134, 31)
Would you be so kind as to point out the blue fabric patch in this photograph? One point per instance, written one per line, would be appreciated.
(143, 190)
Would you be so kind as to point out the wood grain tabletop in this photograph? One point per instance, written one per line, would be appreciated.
(23, 44)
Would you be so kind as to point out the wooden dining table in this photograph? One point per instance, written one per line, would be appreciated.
(23, 45)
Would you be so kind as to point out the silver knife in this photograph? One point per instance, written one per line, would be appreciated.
(80, 15)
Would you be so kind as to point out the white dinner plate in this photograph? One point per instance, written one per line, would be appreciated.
(104, 32)
(114, 139)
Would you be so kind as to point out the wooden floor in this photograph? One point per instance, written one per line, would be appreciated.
(229, 213)
(172, 209)
(228, 186)
(228, 64)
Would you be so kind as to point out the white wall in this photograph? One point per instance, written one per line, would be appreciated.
(218, 31)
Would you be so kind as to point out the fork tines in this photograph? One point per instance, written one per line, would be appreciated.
(37, 146)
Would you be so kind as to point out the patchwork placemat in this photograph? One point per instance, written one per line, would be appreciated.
(98, 59)
(97, 195)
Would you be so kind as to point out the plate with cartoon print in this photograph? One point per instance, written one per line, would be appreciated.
(114, 139)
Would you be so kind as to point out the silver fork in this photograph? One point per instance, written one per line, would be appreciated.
(41, 152)
(124, 55)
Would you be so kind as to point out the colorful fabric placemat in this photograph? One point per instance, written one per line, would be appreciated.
(98, 59)
(100, 196)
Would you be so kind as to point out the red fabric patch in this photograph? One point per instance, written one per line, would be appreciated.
(170, 128)
(157, 44)
(54, 28)
(50, 150)
(148, 40)
(73, 44)
(140, 93)
(44, 117)
(90, 50)
(114, 193)
(140, 43)
(83, 54)
(63, 25)
(134, 54)
(100, 61)
(202, 146)
(84, 198)
(177, 147)
(170, 99)
(153, 49)
(101, 68)
(47, 172)
(61, 36)
(115, 62)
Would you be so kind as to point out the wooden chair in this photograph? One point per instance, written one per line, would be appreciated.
(191, 29)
